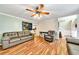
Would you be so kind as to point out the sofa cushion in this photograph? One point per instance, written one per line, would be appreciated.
(20, 34)
(24, 33)
(73, 40)
(27, 33)
(48, 36)
(29, 36)
(13, 40)
(10, 34)
(73, 49)
(26, 37)
(5, 38)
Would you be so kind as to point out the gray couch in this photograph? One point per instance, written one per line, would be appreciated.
(13, 38)
(73, 46)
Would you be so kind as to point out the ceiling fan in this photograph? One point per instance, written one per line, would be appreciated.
(38, 11)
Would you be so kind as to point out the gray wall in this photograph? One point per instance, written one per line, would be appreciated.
(67, 25)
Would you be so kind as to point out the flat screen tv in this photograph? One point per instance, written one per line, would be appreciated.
(26, 26)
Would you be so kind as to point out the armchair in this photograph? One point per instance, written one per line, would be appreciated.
(50, 36)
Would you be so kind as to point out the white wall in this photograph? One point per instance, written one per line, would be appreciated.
(67, 25)
(46, 25)
(77, 21)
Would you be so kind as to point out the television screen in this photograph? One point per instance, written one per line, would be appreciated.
(26, 26)
(30, 26)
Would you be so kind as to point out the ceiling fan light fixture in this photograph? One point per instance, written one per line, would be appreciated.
(37, 16)
(37, 13)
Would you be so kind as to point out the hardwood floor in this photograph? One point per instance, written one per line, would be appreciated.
(38, 46)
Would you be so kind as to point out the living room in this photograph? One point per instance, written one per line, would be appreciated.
(39, 32)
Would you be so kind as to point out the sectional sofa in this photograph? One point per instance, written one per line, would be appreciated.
(73, 45)
(10, 39)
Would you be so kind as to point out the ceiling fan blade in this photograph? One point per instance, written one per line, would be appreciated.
(33, 15)
(41, 6)
(47, 13)
(30, 10)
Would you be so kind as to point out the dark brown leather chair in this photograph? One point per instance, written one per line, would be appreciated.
(50, 36)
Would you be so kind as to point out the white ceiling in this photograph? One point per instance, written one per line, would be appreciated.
(56, 10)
